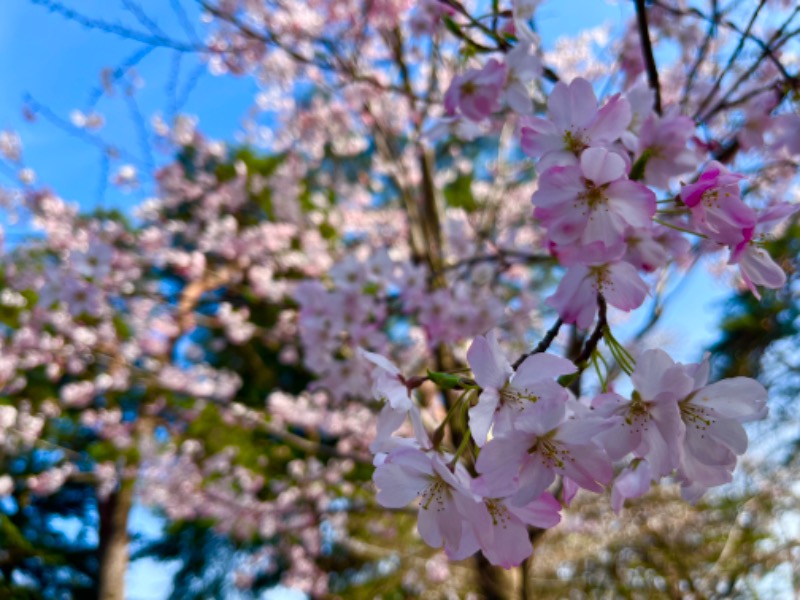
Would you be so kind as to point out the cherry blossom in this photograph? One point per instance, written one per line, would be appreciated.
(649, 424)
(366, 292)
(574, 124)
(477, 91)
(714, 437)
(500, 527)
(524, 462)
(506, 392)
(618, 282)
(716, 206)
(592, 203)
(407, 474)
(634, 481)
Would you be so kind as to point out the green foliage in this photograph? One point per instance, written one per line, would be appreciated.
(458, 193)
(198, 578)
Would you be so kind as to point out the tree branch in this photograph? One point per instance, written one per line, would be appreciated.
(647, 50)
(541, 346)
(597, 334)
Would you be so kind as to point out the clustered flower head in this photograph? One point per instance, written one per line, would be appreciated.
(598, 162)
(622, 191)
(527, 429)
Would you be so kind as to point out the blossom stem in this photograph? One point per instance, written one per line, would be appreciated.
(461, 448)
(620, 354)
(678, 228)
(597, 358)
(438, 434)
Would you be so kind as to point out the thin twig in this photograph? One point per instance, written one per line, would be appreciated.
(115, 29)
(701, 54)
(502, 256)
(597, 334)
(118, 73)
(732, 59)
(647, 50)
(541, 346)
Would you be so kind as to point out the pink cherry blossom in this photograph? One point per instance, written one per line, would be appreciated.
(664, 140)
(634, 481)
(755, 264)
(505, 392)
(6, 485)
(501, 527)
(716, 207)
(574, 124)
(427, 16)
(759, 269)
(575, 299)
(523, 67)
(650, 425)
(408, 473)
(592, 203)
(524, 462)
(714, 436)
(477, 92)
(651, 248)
(757, 120)
(389, 383)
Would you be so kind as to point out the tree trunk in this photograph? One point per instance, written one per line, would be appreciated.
(113, 548)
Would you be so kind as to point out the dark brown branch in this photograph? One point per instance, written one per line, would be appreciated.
(597, 334)
(550, 75)
(268, 38)
(113, 551)
(541, 346)
(502, 44)
(647, 50)
(502, 256)
(768, 50)
(692, 11)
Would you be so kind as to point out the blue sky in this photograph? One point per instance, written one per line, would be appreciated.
(58, 63)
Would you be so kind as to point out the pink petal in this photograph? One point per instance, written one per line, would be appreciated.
(572, 106)
(604, 226)
(488, 363)
(601, 166)
(543, 512)
(380, 361)
(626, 290)
(656, 374)
(739, 398)
(534, 478)
(482, 414)
(611, 121)
(541, 366)
(498, 463)
(634, 201)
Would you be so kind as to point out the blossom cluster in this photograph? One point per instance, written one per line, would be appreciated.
(223, 333)
(594, 198)
(526, 430)
(600, 168)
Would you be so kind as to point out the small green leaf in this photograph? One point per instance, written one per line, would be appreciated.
(637, 170)
(445, 381)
